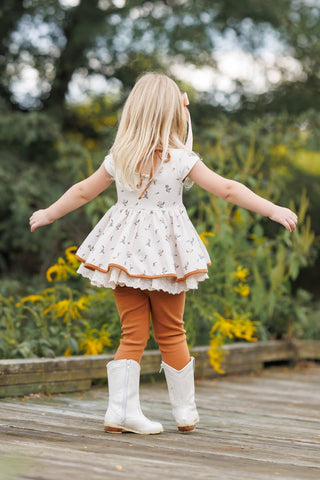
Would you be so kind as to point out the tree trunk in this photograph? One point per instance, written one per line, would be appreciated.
(11, 12)
(80, 33)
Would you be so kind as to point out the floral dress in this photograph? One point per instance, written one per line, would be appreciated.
(146, 240)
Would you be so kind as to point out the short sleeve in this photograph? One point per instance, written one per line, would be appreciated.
(109, 164)
(187, 162)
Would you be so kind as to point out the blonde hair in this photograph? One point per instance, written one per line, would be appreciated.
(153, 118)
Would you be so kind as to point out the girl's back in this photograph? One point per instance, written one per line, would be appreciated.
(146, 239)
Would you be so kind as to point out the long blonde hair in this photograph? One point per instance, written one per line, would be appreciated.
(153, 118)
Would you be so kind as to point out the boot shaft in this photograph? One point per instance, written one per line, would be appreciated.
(123, 383)
(180, 383)
(182, 395)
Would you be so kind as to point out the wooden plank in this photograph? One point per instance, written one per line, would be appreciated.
(62, 375)
(48, 388)
(263, 352)
(150, 362)
(308, 350)
(21, 374)
(257, 427)
(245, 357)
(26, 365)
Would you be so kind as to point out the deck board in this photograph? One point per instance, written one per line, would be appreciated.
(257, 427)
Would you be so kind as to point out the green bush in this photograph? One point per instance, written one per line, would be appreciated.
(251, 290)
(252, 272)
(68, 318)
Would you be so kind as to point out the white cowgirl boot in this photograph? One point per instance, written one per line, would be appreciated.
(181, 393)
(124, 412)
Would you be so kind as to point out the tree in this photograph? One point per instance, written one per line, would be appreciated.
(117, 38)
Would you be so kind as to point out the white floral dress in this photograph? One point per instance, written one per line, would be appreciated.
(149, 242)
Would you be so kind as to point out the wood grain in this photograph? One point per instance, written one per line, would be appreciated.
(258, 427)
(69, 374)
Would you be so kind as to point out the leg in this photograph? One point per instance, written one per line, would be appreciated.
(168, 327)
(167, 320)
(124, 412)
(134, 311)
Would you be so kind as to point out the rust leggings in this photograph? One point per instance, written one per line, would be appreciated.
(135, 308)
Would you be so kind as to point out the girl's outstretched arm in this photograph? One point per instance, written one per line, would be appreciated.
(79, 194)
(240, 195)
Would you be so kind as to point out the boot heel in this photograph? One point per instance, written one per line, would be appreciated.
(186, 428)
(109, 429)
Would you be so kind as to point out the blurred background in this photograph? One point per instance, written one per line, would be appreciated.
(252, 73)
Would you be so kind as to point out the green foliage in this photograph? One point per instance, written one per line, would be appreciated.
(240, 244)
(26, 141)
(68, 318)
(261, 154)
(40, 161)
(307, 325)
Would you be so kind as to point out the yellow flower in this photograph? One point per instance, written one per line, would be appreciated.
(30, 298)
(71, 258)
(69, 309)
(83, 303)
(63, 269)
(241, 273)
(243, 289)
(224, 326)
(67, 352)
(216, 355)
(203, 236)
(58, 271)
(94, 341)
(245, 328)
(91, 346)
(239, 326)
(61, 308)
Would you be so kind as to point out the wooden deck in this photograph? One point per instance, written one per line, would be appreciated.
(264, 426)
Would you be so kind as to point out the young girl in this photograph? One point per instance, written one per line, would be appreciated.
(145, 247)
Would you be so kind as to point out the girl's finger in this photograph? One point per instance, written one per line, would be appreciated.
(286, 224)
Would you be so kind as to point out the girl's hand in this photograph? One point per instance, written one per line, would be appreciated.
(285, 216)
(39, 219)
